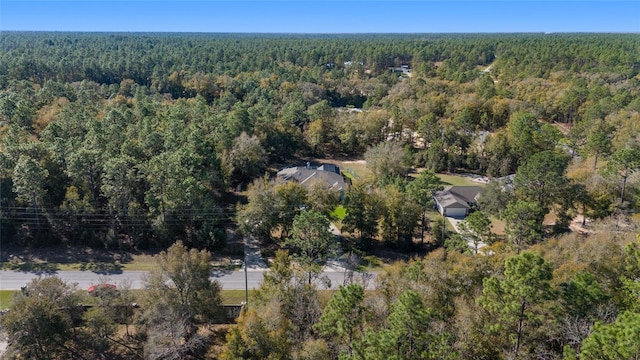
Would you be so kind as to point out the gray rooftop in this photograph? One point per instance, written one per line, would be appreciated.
(329, 176)
(458, 196)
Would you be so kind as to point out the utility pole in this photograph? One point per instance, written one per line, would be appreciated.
(246, 276)
(444, 228)
(246, 282)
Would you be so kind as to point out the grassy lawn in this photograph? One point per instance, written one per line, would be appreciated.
(235, 296)
(59, 260)
(339, 212)
(497, 226)
(349, 175)
(40, 266)
(351, 169)
(6, 296)
(144, 264)
(370, 263)
(358, 169)
(354, 167)
(458, 180)
(434, 216)
(141, 263)
(74, 258)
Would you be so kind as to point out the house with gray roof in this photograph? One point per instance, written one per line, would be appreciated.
(328, 175)
(457, 201)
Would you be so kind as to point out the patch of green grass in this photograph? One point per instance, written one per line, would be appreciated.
(137, 262)
(339, 212)
(352, 169)
(434, 216)
(457, 180)
(369, 263)
(235, 296)
(42, 267)
(348, 175)
(359, 170)
(140, 263)
(98, 266)
(227, 267)
(6, 297)
(51, 267)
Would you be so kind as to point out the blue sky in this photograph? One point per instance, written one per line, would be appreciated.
(328, 16)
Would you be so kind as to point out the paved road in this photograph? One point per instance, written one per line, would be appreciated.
(252, 255)
(230, 280)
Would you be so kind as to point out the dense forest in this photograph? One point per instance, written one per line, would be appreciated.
(136, 141)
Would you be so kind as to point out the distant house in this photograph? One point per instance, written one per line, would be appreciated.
(506, 182)
(350, 63)
(457, 201)
(405, 69)
(308, 176)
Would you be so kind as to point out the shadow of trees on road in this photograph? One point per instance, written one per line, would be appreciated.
(36, 268)
(51, 260)
(102, 267)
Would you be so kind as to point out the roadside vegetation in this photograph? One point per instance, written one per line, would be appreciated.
(5, 298)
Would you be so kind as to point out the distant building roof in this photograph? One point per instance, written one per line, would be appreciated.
(458, 196)
(508, 178)
(329, 167)
(328, 175)
(506, 182)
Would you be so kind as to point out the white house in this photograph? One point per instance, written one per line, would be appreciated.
(457, 201)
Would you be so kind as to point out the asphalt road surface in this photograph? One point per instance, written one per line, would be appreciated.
(230, 280)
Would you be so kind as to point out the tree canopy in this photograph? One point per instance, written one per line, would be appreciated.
(129, 142)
